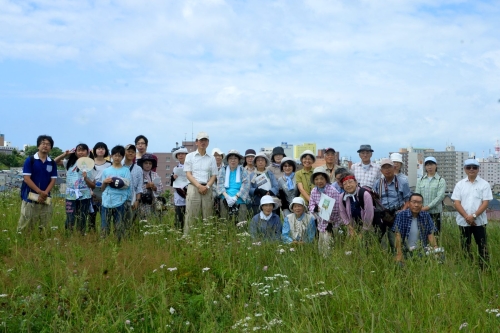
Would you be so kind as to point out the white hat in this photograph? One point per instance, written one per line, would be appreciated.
(290, 161)
(232, 152)
(181, 181)
(300, 201)
(263, 155)
(181, 150)
(202, 135)
(320, 170)
(307, 152)
(430, 159)
(267, 199)
(471, 161)
(397, 157)
(218, 151)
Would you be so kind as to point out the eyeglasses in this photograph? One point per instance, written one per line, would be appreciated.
(416, 202)
(140, 143)
(471, 167)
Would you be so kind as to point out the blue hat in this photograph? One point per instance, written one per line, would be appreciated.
(471, 161)
(430, 159)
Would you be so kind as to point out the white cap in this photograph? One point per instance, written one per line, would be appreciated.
(202, 135)
(300, 201)
(267, 199)
(397, 157)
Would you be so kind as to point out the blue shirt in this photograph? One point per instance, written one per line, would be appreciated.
(41, 174)
(402, 224)
(114, 197)
(302, 228)
(392, 199)
(267, 230)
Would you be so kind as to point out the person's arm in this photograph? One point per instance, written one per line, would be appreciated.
(311, 229)
(441, 189)
(368, 213)
(482, 208)
(59, 159)
(406, 192)
(274, 184)
(460, 209)
(245, 186)
(90, 183)
(285, 235)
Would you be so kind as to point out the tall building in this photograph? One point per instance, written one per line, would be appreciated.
(2, 139)
(489, 170)
(299, 149)
(450, 165)
(166, 162)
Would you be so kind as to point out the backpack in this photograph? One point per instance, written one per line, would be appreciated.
(378, 208)
(24, 187)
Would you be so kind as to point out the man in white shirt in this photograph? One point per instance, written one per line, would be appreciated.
(201, 171)
(471, 196)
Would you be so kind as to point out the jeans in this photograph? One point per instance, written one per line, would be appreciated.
(479, 233)
(117, 214)
(76, 213)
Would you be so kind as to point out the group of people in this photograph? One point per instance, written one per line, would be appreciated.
(280, 199)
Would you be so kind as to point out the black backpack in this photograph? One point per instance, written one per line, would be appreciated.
(377, 204)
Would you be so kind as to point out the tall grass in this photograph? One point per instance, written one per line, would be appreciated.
(220, 280)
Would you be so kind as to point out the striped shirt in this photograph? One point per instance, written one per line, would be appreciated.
(366, 176)
(201, 167)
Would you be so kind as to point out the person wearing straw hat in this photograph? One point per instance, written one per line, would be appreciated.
(266, 225)
(397, 159)
(432, 187)
(233, 186)
(300, 226)
(328, 227)
(180, 183)
(287, 184)
(263, 181)
(366, 171)
(152, 186)
(356, 207)
(277, 155)
(79, 184)
(303, 176)
(201, 171)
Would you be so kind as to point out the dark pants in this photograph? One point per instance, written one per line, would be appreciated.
(76, 214)
(117, 214)
(96, 207)
(180, 211)
(479, 233)
(436, 218)
(383, 229)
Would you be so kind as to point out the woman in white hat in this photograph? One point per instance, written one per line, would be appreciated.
(303, 176)
(397, 159)
(299, 226)
(432, 187)
(287, 183)
(266, 225)
(179, 183)
(233, 186)
(263, 181)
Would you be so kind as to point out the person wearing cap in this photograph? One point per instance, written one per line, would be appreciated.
(136, 180)
(299, 226)
(219, 157)
(201, 171)
(287, 184)
(180, 182)
(356, 208)
(366, 171)
(394, 195)
(339, 174)
(141, 143)
(276, 157)
(266, 225)
(397, 159)
(432, 187)
(326, 228)
(471, 197)
(79, 185)
(262, 182)
(233, 186)
(99, 154)
(115, 197)
(152, 186)
(248, 162)
(330, 166)
(303, 176)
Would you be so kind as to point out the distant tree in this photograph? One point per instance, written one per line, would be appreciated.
(32, 150)
(54, 152)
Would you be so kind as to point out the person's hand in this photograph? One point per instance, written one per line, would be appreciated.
(202, 189)
(84, 174)
(108, 180)
(425, 209)
(470, 220)
(230, 201)
(135, 205)
(42, 196)
(176, 176)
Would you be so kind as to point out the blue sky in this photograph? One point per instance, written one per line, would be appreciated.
(252, 73)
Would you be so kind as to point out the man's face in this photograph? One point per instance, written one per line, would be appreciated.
(320, 181)
(471, 170)
(330, 157)
(141, 146)
(350, 186)
(267, 209)
(387, 170)
(202, 143)
(278, 158)
(181, 157)
(416, 204)
(130, 154)
(365, 156)
(45, 146)
(117, 158)
(298, 209)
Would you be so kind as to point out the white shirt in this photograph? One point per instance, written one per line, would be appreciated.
(201, 167)
(471, 196)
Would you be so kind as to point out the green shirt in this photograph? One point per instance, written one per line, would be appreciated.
(304, 177)
(432, 190)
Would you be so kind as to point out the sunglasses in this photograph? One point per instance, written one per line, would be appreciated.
(471, 167)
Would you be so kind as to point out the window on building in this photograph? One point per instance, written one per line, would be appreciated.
(168, 167)
(168, 158)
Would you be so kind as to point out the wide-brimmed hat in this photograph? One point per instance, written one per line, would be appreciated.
(289, 160)
(307, 152)
(320, 170)
(430, 159)
(181, 150)
(147, 157)
(218, 151)
(181, 181)
(263, 155)
(232, 152)
(397, 157)
(248, 152)
(267, 199)
(300, 201)
(365, 148)
(277, 151)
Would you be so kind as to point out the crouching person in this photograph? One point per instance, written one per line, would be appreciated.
(414, 229)
(266, 225)
(299, 226)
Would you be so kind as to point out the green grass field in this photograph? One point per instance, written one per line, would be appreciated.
(219, 280)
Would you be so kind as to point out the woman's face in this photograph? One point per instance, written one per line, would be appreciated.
(218, 158)
(147, 165)
(181, 157)
(267, 209)
(260, 163)
(278, 158)
(100, 152)
(298, 209)
(249, 160)
(320, 181)
(350, 186)
(307, 161)
(233, 161)
(287, 168)
(397, 166)
(81, 152)
(338, 179)
(431, 167)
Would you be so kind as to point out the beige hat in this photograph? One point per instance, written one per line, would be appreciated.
(307, 152)
(320, 170)
(385, 161)
(202, 135)
(181, 150)
(263, 155)
(232, 152)
(300, 201)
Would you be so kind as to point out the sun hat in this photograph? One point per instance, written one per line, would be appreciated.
(385, 161)
(147, 157)
(307, 152)
(267, 199)
(290, 161)
(263, 155)
(471, 161)
(365, 148)
(430, 159)
(300, 201)
(202, 135)
(181, 150)
(232, 152)
(277, 151)
(397, 157)
(320, 170)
